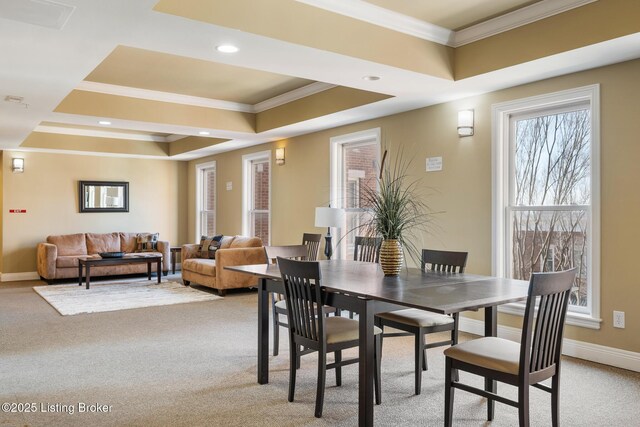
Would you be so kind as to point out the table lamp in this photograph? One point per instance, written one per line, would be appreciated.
(329, 217)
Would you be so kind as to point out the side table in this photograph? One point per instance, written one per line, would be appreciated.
(174, 251)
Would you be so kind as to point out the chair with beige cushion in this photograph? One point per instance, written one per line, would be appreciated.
(419, 322)
(234, 250)
(535, 359)
(310, 328)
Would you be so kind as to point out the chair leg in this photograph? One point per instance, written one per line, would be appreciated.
(448, 393)
(419, 353)
(293, 356)
(523, 405)
(322, 376)
(555, 400)
(425, 365)
(454, 341)
(338, 357)
(376, 372)
(276, 326)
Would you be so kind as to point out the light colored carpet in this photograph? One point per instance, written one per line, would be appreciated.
(113, 296)
(188, 365)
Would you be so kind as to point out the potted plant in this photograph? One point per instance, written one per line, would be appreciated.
(396, 213)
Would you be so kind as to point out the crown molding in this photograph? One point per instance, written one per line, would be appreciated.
(101, 133)
(154, 95)
(285, 98)
(515, 19)
(367, 12)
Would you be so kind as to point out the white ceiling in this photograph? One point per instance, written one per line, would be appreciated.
(44, 65)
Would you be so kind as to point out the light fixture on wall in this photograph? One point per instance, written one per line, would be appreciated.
(280, 156)
(17, 165)
(329, 217)
(465, 123)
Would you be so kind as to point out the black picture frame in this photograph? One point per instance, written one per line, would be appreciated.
(85, 190)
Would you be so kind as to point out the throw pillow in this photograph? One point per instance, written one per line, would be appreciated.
(147, 242)
(209, 246)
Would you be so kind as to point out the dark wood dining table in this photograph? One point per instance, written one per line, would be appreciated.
(362, 287)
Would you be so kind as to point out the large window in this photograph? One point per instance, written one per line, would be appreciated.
(257, 195)
(547, 192)
(354, 165)
(206, 199)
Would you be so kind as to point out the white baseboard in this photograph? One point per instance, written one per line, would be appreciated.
(27, 275)
(583, 350)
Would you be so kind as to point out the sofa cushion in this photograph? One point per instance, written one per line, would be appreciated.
(69, 244)
(128, 242)
(208, 246)
(226, 242)
(147, 242)
(246, 242)
(206, 267)
(67, 261)
(102, 242)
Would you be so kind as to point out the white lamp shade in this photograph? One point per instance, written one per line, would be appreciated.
(329, 217)
(465, 123)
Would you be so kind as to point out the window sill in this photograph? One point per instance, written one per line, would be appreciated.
(574, 319)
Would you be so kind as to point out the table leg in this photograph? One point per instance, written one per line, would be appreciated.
(159, 269)
(263, 333)
(173, 262)
(79, 274)
(148, 270)
(87, 270)
(366, 365)
(490, 330)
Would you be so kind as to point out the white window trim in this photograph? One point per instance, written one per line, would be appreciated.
(199, 168)
(336, 144)
(246, 190)
(500, 180)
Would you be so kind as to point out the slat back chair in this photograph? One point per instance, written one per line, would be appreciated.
(367, 249)
(278, 306)
(310, 328)
(418, 322)
(312, 241)
(535, 359)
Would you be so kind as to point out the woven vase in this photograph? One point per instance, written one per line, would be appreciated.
(391, 257)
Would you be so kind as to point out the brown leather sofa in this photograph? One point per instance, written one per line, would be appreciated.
(58, 256)
(234, 250)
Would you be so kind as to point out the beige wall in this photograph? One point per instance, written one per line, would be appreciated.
(48, 190)
(462, 191)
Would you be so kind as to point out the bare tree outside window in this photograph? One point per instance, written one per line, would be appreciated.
(551, 195)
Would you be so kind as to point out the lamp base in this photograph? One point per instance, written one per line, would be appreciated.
(328, 250)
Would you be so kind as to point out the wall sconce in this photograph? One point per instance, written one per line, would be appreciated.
(279, 156)
(17, 165)
(465, 123)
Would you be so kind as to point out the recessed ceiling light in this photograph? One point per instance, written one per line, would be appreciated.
(203, 132)
(227, 48)
(371, 78)
(104, 122)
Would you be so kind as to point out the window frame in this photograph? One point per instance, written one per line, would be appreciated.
(247, 190)
(502, 185)
(337, 144)
(200, 169)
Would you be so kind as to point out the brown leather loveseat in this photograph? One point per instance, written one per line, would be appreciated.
(234, 250)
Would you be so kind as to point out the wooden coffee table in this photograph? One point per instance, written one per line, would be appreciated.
(88, 262)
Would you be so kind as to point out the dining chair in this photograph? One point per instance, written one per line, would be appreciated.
(536, 358)
(419, 322)
(367, 249)
(311, 329)
(312, 241)
(278, 305)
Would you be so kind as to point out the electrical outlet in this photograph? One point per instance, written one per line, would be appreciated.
(618, 319)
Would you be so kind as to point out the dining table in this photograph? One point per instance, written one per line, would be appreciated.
(363, 288)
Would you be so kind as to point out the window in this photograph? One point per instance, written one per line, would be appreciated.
(546, 192)
(354, 165)
(206, 199)
(257, 195)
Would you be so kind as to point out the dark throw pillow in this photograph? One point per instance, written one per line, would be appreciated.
(209, 246)
(147, 242)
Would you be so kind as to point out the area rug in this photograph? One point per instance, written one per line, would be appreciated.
(73, 299)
